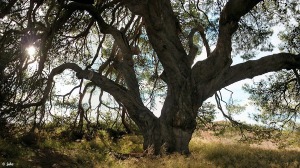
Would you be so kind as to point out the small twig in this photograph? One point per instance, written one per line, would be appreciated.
(297, 76)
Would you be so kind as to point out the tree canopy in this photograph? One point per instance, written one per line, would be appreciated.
(125, 55)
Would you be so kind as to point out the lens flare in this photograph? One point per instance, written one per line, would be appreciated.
(31, 51)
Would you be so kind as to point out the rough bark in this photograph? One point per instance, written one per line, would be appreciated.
(261, 66)
(188, 86)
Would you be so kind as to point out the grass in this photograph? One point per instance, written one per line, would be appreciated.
(239, 155)
(207, 151)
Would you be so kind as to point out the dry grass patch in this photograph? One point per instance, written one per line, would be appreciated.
(207, 151)
(171, 161)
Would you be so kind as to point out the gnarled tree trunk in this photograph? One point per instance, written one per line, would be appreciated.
(174, 128)
(167, 138)
(188, 85)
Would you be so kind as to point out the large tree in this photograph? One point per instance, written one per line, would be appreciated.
(126, 46)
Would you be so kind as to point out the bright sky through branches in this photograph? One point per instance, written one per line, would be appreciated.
(33, 63)
(31, 51)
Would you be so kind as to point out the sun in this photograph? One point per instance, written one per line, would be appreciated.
(31, 51)
(32, 62)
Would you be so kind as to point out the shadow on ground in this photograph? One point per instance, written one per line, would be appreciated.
(51, 158)
(38, 158)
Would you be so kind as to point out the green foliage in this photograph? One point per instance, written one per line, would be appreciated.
(291, 38)
(9, 149)
(235, 109)
(206, 114)
(248, 56)
(131, 144)
(277, 98)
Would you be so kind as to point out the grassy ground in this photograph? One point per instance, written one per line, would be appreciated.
(208, 151)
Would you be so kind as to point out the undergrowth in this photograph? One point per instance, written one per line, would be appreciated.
(207, 151)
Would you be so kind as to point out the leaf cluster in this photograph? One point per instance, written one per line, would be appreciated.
(277, 98)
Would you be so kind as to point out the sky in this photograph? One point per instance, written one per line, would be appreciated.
(238, 94)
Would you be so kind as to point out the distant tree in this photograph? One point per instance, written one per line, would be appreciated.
(138, 52)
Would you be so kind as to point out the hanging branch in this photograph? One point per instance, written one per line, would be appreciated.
(193, 47)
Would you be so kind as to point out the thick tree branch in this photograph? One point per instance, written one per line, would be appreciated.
(235, 9)
(229, 18)
(134, 104)
(130, 98)
(263, 65)
(104, 27)
(138, 112)
(220, 58)
(49, 35)
(50, 81)
(106, 84)
(193, 48)
(126, 64)
(162, 29)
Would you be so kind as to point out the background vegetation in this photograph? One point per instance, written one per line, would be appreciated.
(217, 145)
